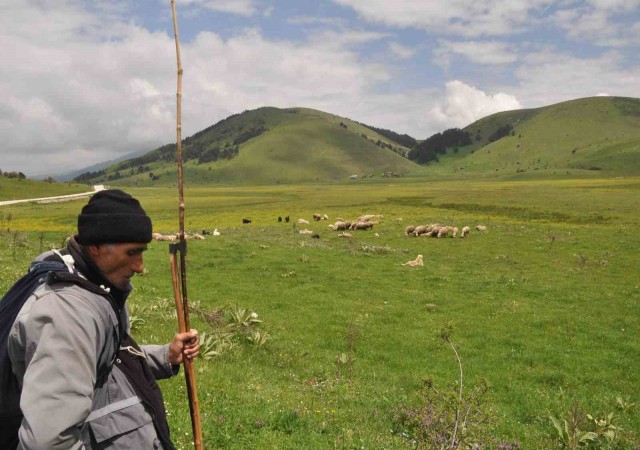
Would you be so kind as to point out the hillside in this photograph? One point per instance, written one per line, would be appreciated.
(267, 146)
(590, 137)
(596, 136)
(16, 189)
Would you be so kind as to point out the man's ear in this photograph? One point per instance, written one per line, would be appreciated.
(94, 250)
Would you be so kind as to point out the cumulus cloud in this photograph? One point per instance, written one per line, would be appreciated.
(76, 97)
(463, 104)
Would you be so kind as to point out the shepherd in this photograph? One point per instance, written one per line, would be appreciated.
(83, 381)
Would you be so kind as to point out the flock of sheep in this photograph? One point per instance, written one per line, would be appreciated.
(364, 222)
(436, 230)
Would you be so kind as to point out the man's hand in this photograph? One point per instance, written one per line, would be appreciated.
(184, 345)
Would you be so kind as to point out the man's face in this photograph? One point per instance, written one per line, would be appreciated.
(119, 262)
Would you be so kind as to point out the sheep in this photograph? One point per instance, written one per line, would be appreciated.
(338, 226)
(416, 262)
(362, 225)
(368, 217)
(419, 230)
(317, 217)
(197, 237)
(161, 237)
(303, 222)
(465, 232)
(325, 217)
(315, 236)
(156, 236)
(279, 219)
(443, 232)
(216, 232)
(305, 231)
(455, 232)
(344, 234)
(286, 219)
(481, 228)
(409, 230)
(246, 220)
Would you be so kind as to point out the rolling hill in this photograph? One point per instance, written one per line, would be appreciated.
(267, 146)
(597, 136)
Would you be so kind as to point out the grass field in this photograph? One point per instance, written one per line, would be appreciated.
(543, 305)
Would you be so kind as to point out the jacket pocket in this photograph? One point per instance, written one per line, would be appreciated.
(126, 422)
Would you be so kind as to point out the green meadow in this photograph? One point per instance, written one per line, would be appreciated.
(542, 307)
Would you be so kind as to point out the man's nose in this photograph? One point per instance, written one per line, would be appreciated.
(138, 266)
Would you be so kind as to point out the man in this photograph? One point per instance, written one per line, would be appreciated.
(84, 382)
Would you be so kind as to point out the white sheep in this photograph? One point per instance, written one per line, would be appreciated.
(443, 232)
(409, 230)
(305, 231)
(344, 234)
(303, 222)
(362, 225)
(338, 226)
(416, 262)
(419, 230)
(481, 228)
(465, 232)
(455, 232)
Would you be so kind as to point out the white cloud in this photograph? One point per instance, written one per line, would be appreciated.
(463, 104)
(79, 87)
(313, 20)
(240, 7)
(597, 21)
(401, 51)
(460, 17)
(548, 77)
(480, 52)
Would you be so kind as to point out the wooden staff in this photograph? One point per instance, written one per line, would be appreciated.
(180, 290)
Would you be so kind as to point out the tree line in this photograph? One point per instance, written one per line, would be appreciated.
(18, 175)
(430, 149)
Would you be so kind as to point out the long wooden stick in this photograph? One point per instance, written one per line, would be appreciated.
(181, 299)
(189, 369)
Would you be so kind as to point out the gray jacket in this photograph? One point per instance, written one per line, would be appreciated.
(61, 336)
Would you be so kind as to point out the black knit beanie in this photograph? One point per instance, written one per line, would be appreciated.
(113, 216)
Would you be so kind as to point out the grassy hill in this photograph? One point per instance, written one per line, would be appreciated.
(16, 189)
(268, 146)
(590, 137)
(597, 136)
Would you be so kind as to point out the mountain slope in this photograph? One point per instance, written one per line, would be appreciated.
(597, 136)
(584, 136)
(267, 146)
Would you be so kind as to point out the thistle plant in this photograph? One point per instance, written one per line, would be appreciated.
(452, 418)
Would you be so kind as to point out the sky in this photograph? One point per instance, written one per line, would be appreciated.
(83, 82)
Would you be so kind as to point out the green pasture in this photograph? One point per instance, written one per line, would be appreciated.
(543, 305)
(16, 189)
